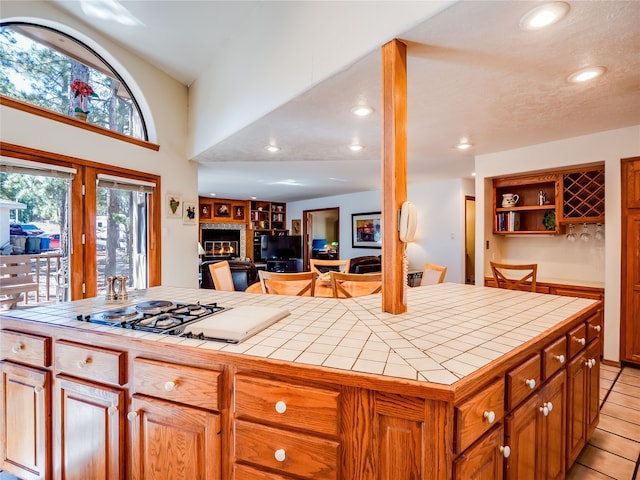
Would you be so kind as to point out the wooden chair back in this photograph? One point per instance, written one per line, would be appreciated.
(525, 276)
(317, 265)
(298, 284)
(221, 276)
(432, 274)
(16, 279)
(348, 285)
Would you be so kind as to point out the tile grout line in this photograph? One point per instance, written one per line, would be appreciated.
(611, 388)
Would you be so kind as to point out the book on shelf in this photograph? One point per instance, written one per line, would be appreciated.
(507, 222)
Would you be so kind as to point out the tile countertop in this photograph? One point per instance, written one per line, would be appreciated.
(448, 332)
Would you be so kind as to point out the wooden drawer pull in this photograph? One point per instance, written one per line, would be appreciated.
(131, 416)
(597, 328)
(16, 348)
(112, 410)
(581, 341)
(531, 383)
(506, 451)
(490, 416)
(280, 455)
(170, 386)
(281, 407)
(560, 358)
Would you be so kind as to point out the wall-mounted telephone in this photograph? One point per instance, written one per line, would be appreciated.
(408, 222)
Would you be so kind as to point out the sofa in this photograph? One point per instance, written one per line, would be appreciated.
(242, 273)
(365, 264)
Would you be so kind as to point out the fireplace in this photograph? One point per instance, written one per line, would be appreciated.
(223, 241)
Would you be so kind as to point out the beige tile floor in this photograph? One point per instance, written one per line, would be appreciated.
(614, 449)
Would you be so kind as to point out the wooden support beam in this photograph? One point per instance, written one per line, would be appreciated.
(394, 171)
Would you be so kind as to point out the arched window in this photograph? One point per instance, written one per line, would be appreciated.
(52, 70)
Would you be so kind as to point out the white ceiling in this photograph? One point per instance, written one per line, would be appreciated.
(471, 73)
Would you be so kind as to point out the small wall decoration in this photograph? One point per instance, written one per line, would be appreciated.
(189, 213)
(238, 212)
(295, 227)
(174, 205)
(205, 211)
(366, 230)
(222, 209)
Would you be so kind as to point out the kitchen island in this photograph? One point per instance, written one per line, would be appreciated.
(470, 382)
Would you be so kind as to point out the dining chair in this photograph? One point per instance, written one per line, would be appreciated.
(525, 276)
(298, 284)
(432, 274)
(325, 266)
(348, 285)
(221, 275)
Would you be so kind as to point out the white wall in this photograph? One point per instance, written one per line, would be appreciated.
(166, 101)
(572, 263)
(440, 234)
(295, 54)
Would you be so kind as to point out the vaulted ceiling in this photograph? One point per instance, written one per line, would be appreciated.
(472, 73)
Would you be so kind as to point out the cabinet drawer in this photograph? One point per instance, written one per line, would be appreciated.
(478, 414)
(177, 383)
(523, 380)
(594, 327)
(576, 339)
(300, 407)
(25, 348)
(245, 472)
(554, 357)
(91, 363)
(292, 453)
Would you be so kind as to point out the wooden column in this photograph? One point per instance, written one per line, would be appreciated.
(394, 171)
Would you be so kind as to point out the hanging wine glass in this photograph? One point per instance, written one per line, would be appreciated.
(599, 235)
(585, 236)
(571, 236)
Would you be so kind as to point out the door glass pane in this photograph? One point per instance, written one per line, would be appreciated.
(121, 237)
(35, 210)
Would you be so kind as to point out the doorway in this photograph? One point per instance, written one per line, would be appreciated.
(470, 240)
(321, 233)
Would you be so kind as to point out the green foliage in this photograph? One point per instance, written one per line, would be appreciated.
(41, 195)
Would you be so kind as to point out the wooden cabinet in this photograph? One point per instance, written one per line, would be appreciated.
(89, 430)
(266, 218)
(483, 461)
(89, 414)
(286, 428)
(534, 433)
(478, 414)
(548, 200)
(25, 401)
(630, 283)
(528, 215)
(175, 431)
(25, 425)
(220, 210)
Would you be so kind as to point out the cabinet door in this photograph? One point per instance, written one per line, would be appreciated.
(173, 441)
(576, 403)
(593, 387)
(552, 442)
(89, 431)
(522, 429)
(25, 424)
(482, 461)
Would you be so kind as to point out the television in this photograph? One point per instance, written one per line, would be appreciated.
(281, 247)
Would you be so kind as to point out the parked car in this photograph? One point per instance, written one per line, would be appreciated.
(54, 240)
(24, 229)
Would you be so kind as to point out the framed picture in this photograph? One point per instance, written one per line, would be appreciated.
(222, 209)
(205, 211)
(366, 230)
(174, 205)
(296, 227)
(189, 216)
(238, 212)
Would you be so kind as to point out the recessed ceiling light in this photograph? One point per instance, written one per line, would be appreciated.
(464, 145)
(473, 174)
(212, 194)
(355, 147)
(544, 15)
(272, 148)
(586, 74)
(362, 110)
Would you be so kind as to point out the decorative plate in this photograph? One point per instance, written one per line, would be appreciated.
(549, 220)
